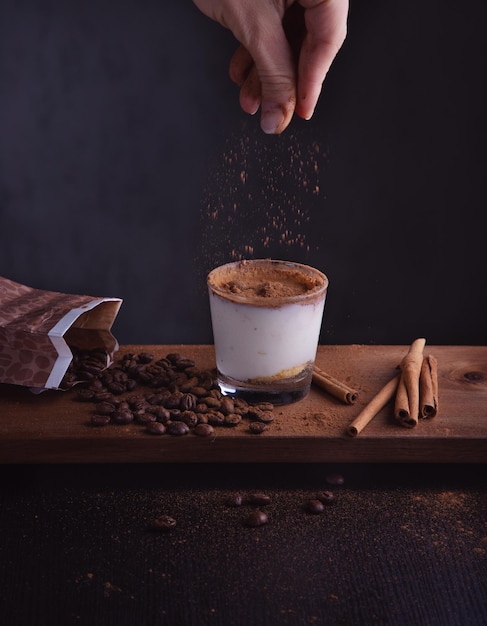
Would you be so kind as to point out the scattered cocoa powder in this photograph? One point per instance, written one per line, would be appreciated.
(259, 198)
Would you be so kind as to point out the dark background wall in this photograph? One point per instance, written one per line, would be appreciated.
(127, 168)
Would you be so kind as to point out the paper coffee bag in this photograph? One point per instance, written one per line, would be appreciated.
(40, 330)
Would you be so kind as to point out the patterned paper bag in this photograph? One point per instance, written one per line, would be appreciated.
(40, 331)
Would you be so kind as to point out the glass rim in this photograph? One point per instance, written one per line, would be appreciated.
(317, 293)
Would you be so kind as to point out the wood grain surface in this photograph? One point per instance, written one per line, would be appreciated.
(55, 428)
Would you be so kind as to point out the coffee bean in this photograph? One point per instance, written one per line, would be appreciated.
(314, 506)
(232, 419)
(227, 406)
(189, 384)
(256, 519)
(95, 385)
(155, 428)
(175, 415)
(131, 384)
(100, 420)
(327, 497)
(145, 357)
(154, 399)
(177, 429)
(105, 408)
(241, 406)
(215, 418)
(201, 408)
(103, 395)
(189, 418)
(134, 399)
(203, 430)
(266, 417)
(182, 363)
(145, 418)
(236, 500)
(257, 428)
(258, 499)
(187, 402)
(211, 402)
(335, 479)
(85, 395)
(123, 417)
(172, 402)
(260, 415)
(163, 523)
(161, 414)
(265, 406)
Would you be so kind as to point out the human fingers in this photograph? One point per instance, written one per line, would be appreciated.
(244, 73)
(257, 25)
(326, 29)
(265, 70)
(240, 65)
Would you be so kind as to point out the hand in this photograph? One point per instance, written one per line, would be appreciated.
(287, 48)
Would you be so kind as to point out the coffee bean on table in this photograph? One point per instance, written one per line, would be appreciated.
(314, 506)
(265, 406)
(227, 405)
(85, 394)
(335, 479)
(161, 413)
(145, 357)
(177, 429)
(123, 417)
(155, 428)
(211, 402)
(327, 497)
(236, 500)
(203, 430)
(100, 396)
(256, 519)
(256, 428)
(163, 523)
(171, 390)
(258, 499)
(266, 417)
(145, 418)
(100, 420)
(105, 408)
(187, 402)
(189, 418)
(232, 419)
(215, 418)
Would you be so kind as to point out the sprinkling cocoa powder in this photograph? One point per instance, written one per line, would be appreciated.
(260, 196)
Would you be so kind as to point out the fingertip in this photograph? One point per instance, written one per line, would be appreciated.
(305, 113)
(274, 118)
(306, 105)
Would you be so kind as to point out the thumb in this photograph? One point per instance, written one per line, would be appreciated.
(275, 67)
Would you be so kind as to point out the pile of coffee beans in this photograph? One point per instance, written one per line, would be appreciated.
(84, 366)
(170, 395)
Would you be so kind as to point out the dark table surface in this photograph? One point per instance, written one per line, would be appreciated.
(400, 544)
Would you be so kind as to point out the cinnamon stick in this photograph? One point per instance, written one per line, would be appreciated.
(377, 403)
(406, 409)
(333, 386)
(428, 387)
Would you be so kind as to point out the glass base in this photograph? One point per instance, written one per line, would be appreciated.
(283, 392)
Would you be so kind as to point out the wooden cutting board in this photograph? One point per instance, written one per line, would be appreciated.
(55, 428)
